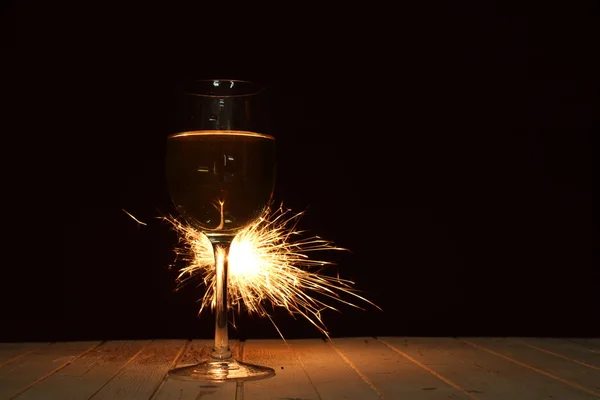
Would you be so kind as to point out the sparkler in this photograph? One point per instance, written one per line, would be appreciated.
(269, 264)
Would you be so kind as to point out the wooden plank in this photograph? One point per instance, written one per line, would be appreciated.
(10, 352)
(566, 349)
(85, 376)
(18, 376)
(188, 390)
(591, 344)
(482, 375)
(174, 389)
(291, 380)
(142, 377)
(331, 377)
(345, 368)
(392, 373)
(569, 373)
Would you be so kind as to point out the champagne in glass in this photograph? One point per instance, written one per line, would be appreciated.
(220, 181)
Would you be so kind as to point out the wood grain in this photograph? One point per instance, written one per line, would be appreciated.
(291, 380)
(584, 379)
(20, 375)
(483, 375)
(142, 377)
(174, 389)
(393, 373)
(10, 352)
(566, 349)
(330, 375)
(361, 368)
(86, 375)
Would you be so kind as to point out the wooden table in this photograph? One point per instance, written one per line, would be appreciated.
(362, 368)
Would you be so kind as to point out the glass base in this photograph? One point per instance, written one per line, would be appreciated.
(222, 371)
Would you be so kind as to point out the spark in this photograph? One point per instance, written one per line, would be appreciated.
(134, 218)
(270, 266)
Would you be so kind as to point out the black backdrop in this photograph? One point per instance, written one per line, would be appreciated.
(447, 148)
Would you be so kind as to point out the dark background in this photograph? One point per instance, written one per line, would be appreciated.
(447, 147)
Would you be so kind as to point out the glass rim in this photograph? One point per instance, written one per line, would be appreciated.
(254, 87)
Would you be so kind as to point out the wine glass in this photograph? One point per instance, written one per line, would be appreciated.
(220, 170)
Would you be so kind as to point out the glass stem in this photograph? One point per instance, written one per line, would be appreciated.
(221, 350)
